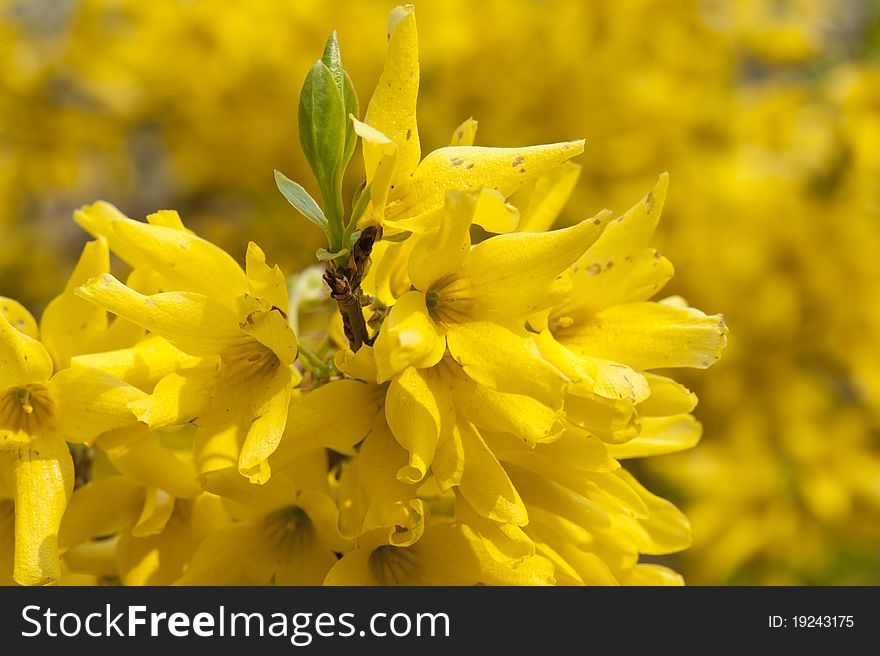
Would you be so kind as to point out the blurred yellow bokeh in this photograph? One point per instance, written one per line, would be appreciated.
(766, 113)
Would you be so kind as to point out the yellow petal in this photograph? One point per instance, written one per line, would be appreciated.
(196, 324)
(409, 337)
(336, 416)
(90, 402)
(324, 516)
(632, 232)
(217, 447)
(392, 109)
(7, 542)
(42, 479)
(448, 465)
(185, 261)
(542, 200)
(91, 563)
(352, 500)
(380, 157)
(520, 273)
(142, 365)
(103, 507)
(505, 360)
(650, 574)
(617, 280)
(521, 415)
(504, 542)
(414, 418)
(440, 251)
(18, 316)
(157, 509)
(157, 559)
(22, 359)
(70, 325)
(540, 492)
(660, 435)
(492, 213)
(249, 501)
(611, 420)
(604, 378)
(667, 398)
(137, 452)
(573, 454)
(668, 529)
(465, 134)
(381, 457)
(269, 326)
(308, 471)
(308, 563)
(470, 167)
(168, 219)
(484, 483)
(203, 396)
(388, 277)
(265, 282)
(649, 336)
(269, 418)
(233, 555)
(619, 267)
(353, 569)
(454, 554)
(360, 365)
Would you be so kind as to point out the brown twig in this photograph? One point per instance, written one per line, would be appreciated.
(345, 287)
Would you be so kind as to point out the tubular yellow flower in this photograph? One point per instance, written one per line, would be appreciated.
(448, 554)
(235, 321)
(287, 531)
(405, 190)
(40, 411)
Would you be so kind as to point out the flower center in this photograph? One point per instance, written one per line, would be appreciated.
(26, 408)
(450, 301)
(392, 565)
(249, 359)
(288, 528)
(432, 299)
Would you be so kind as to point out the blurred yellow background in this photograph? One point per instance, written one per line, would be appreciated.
(766, 113)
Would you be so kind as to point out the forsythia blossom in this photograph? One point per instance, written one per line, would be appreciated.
(463, 421)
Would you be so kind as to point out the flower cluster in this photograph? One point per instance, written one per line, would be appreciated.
(461, 419)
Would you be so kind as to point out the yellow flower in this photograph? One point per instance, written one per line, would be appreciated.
(447, 554)
(287, 530)
(404, 190)
(529, 464)
(476, 301)
(41, 409)
(235, 321)
(474, 433)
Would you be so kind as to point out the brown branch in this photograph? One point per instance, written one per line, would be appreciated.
(345, 287)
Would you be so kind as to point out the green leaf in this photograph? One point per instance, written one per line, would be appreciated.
(302, 201)
(359, 205)
(324, 255)
(332, 59)
(321, 120)
(352, 108)
(322, 132)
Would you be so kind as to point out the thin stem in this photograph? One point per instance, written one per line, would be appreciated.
(310, 361)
